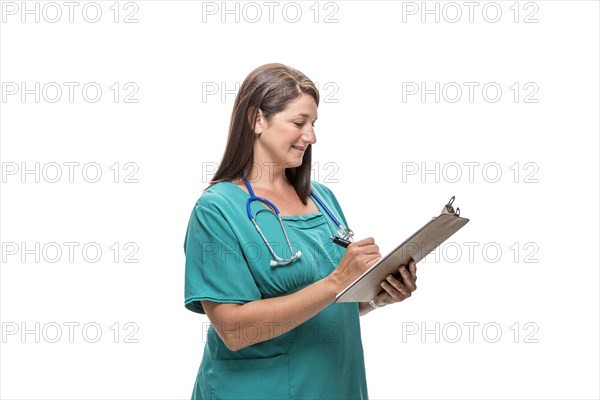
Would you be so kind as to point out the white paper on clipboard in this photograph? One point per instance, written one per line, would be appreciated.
(417, 246)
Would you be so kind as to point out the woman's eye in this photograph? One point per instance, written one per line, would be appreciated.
(300, 124)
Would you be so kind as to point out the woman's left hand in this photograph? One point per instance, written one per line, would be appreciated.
(396, 290)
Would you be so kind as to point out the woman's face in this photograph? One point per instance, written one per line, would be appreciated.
(284, 138)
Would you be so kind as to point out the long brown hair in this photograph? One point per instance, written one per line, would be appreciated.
(270, 88)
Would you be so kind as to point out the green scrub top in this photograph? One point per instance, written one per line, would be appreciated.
(227, 261)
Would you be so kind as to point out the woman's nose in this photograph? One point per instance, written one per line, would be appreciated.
(309, 136)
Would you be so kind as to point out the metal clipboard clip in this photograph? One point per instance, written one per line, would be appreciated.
(448, 209)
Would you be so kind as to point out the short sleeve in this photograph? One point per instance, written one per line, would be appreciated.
(215, 266)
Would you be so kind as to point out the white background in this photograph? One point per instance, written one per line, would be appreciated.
(543, 285)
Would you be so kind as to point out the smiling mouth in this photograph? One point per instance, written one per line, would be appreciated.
(299, 148)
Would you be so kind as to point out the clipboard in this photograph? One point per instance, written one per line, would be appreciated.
(417, 246)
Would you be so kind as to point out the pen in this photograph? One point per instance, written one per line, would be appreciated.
(340, 241)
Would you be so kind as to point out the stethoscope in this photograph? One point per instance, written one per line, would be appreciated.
(344, 233)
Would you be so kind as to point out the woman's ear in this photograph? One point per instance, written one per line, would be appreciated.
(258, 123)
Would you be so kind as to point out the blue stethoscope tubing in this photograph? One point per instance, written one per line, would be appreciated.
(345, 232)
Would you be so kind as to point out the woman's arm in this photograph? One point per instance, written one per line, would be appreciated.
(241, 325)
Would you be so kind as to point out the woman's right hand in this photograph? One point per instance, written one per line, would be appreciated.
(359, 257)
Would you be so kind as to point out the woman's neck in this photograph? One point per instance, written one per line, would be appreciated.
(268, 177)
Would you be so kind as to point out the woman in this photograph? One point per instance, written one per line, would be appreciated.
(269, 291)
